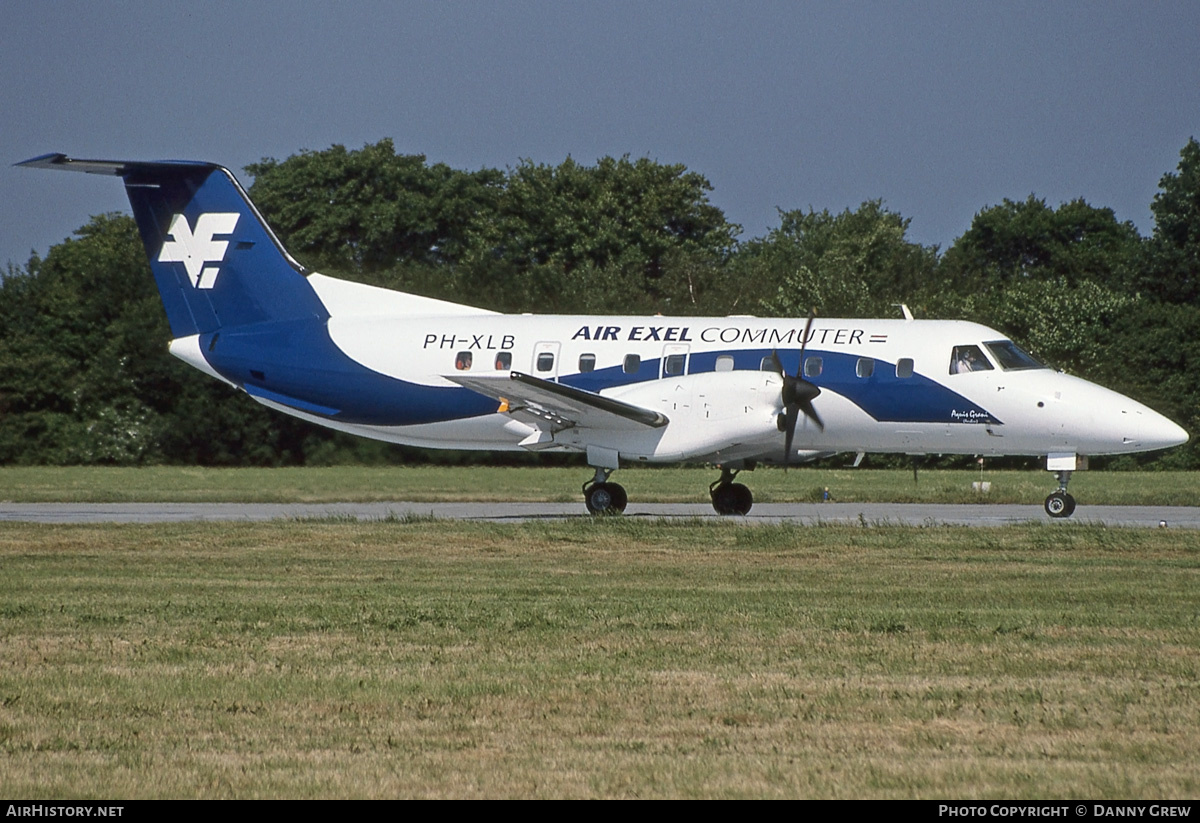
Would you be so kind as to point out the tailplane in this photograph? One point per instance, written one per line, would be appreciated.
(216, 262)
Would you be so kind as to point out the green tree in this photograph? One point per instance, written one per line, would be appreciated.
(856, 263)
(617, 212)
(573, 237)
(1152, 356)
(1171, 268)
(1068, 327)
(610, 237)
(1029, 240)
(85, 376)
(372, 209)
(1055, 280)
(74, 384)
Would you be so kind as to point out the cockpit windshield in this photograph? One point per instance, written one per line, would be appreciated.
(1011, 357)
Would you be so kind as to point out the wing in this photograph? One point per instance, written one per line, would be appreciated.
(546, 403)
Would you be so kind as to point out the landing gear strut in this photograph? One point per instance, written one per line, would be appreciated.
(1059, 503)
(729, 497)
(602, 497)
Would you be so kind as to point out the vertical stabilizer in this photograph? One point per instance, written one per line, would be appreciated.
(216, 262)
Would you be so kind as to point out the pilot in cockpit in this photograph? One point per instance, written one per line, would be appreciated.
(967, 359)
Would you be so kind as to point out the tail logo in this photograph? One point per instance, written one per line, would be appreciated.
(195, 250)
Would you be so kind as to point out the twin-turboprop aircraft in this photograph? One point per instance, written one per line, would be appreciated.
(730, 391)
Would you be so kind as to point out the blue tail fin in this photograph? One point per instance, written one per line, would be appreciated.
(216, 262)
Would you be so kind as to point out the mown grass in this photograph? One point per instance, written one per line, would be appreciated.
(534, 484)
(598, 658)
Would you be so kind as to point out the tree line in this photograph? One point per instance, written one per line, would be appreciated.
(85, 377)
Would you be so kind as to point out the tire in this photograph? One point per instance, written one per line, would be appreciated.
(605, 498)
(732, 498)
(619, 498)
(1060, 504)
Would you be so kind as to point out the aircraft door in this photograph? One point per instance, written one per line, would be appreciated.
(545, 360)
(674, 360)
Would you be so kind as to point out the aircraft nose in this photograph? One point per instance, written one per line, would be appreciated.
(1106, 422)
(1149, 430)
(1165, 433)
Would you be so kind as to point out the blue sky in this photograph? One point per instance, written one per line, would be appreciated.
(939, 108)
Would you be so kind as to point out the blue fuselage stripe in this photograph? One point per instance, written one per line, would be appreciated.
(298, 364)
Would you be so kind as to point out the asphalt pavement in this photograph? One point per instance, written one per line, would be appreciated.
(918, 514)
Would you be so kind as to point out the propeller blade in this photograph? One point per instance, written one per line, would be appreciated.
(805, 392)
(774, 358)
(812, 415)
(804, 341)
(789, 416)
(797, 396)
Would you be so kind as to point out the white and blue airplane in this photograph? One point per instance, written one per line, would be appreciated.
(730, 391)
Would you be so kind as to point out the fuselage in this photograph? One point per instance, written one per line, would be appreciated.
(377, 369)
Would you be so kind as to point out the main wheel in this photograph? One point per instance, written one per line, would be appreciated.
(605, 498)
(1060, 504)
(732, 498)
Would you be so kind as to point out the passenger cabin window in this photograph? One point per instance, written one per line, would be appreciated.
(503, 361)
(587, 362)
(674, 364)
(724, 363)
(632, 363)
(462, 361)
(865, 367)
(904, 367)
(812, 367)
(965, 359)
(768, 363)
(545, 361)
(1011, 357)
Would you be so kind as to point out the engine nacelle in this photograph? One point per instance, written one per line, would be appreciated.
(709, 414)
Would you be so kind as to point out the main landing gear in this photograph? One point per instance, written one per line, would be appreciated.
(729, 497)
(602, 497)
(1059, 503)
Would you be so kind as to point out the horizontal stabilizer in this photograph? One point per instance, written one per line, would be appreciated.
(114, 168)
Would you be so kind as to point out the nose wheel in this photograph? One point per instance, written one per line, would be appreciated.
(729, 497)
(1059, 503)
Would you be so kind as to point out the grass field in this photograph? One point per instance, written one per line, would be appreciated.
(491, 483)
(606, 658)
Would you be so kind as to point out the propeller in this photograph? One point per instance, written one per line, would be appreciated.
(797, 396)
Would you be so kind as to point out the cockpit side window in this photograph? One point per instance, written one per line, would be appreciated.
(1011, 357)
(965, 359)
